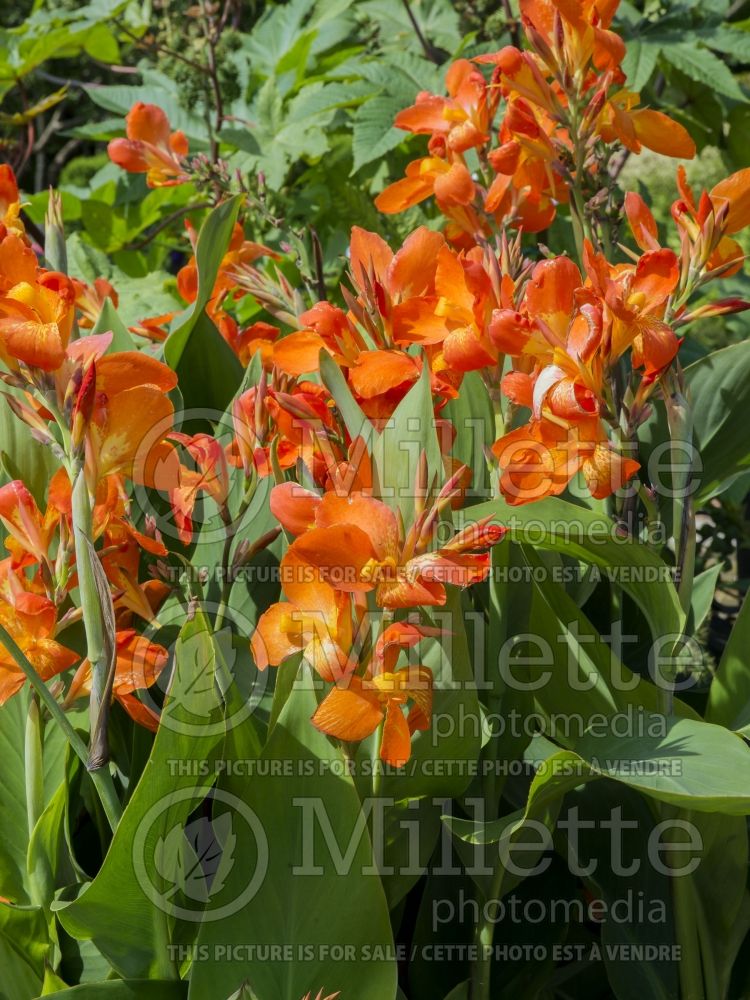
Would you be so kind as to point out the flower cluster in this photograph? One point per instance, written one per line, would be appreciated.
(97, 411)
(351, 566)
(562, 102)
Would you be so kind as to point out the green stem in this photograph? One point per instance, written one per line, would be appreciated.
(680, 421)
(484, 933)
(578, 208)
(102, 779)
(33, 768)
(687, 920)
(93, 618)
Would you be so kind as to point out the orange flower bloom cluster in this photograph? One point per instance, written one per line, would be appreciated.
(566, 334)
(35, 581)
(151, 147)
(425, 295)
(346, 546)
(106, 416)
(561, 97)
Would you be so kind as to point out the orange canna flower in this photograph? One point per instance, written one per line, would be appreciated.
(358, 544)
(457, 318)
(36, 319)
(30, 533)
(710, 223)
(460, 121)
(584, 27)
(450, 183)
(356, 706)
(211, 477)
(621, 119)
(130, 418)
(540, 459)
(316, 621)
(635, 299)
(30, 619)
(151, 148)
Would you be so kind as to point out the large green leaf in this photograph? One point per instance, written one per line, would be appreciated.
(560, 772)
(24, 944)
(127, 989)
(210, 363)
(21, 457)
(557, 525)
(704, 67)
(409, 431)
(694, 764)
(302, 890)
(729, 695)
(595, 812)
(131, 910)
(719, 387)
(14, 830)
(209, 371)
(719, 395)
(576, 677)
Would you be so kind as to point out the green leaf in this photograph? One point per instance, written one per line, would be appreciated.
(721, 905)
(21, 456)
(557, 525)
(562, 771)
(729, 695)
(108, 320)
(590, 848)
(719, 387)
(373, 133)
(408, 432)
(209, 371)
(354, 419)
(704, 588)
(695, 765)
(576, 677)
(303, 902)
(127, 989)
(473, 417)
(14, 830)
(640, 61)
(213, 240)
(131, 911)
(24, 944)
(704, 67)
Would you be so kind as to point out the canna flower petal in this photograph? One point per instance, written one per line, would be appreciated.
(735, 190)
(395, 748)
(662, 134)
(349, 713)
(641, 221)
(294, 507)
